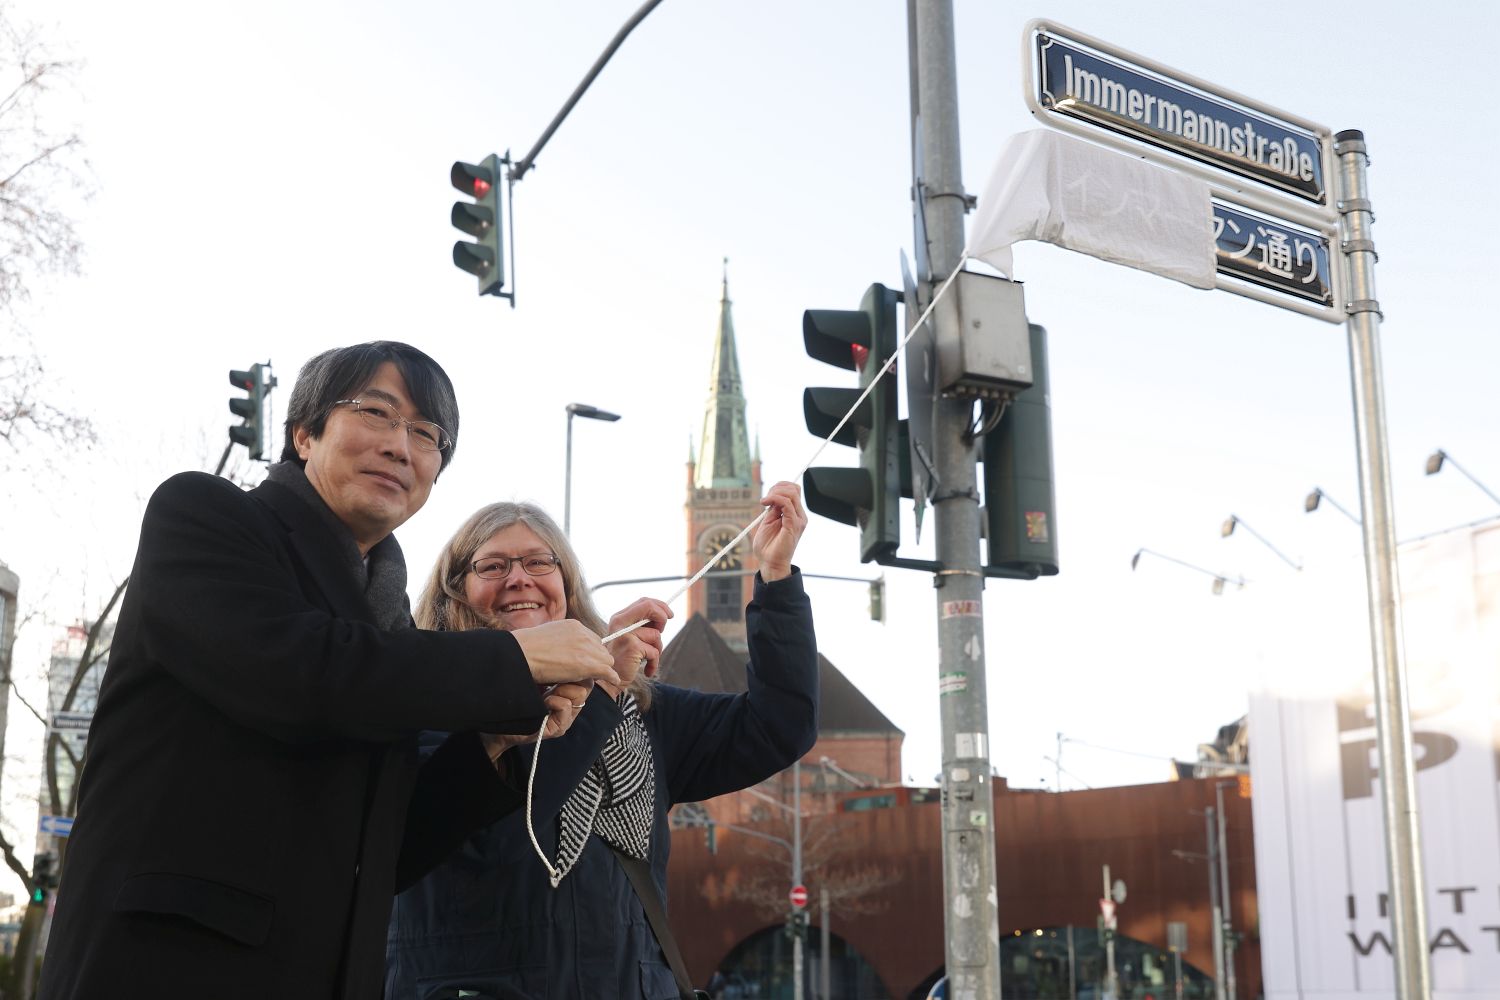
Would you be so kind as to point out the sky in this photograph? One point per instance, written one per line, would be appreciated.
(270, 180)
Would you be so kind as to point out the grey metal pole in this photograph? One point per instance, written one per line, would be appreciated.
(1072, 967)
(1226, 901)
(971, 914)
(825, 974)
(1403, 839)
(797, 993)
(1216, 913)
(1111, 978)
(568, 480)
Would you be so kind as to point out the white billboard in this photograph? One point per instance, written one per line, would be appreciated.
(1319, 843)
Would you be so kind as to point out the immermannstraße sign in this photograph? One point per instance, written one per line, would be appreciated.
(1087, 85)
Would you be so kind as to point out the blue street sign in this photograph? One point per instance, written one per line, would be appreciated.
(57, 826)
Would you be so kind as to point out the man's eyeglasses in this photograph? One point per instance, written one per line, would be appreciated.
(381, 416)
(498, 567)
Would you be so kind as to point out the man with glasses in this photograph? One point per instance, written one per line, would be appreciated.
(252, 795)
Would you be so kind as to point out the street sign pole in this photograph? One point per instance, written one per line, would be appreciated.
(797, 956)
(1111, 978)
(1403, 840)
(971, 918)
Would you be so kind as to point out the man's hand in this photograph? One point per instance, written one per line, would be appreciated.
(640, 649)
(565, 651)
(776, 537)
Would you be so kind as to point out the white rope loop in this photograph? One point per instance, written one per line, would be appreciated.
(714, 559)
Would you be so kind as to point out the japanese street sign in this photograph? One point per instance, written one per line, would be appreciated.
(798, 896)
(72, 722)
(1272, 254)
(57, 826)
(1118, 94)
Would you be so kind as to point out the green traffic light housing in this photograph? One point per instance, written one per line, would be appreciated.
(485, 258)
(860, 340)
(1020, 501)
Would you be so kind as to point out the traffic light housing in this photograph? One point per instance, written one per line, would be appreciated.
(43, 876)
(869, 496)
(1020, 501)
(257, 383)
(480, 218)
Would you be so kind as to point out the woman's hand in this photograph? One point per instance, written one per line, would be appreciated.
(563, 704)
(640, 649)
(776, 537)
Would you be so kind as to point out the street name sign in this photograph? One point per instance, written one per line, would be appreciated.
(1136, 104)
(1270, 172)
(1273, 254)
(72, 722)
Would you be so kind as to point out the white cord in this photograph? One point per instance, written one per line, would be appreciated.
(552, 872)
(714, 559)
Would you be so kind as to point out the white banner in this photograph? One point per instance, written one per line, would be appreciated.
(1052, 187)
(1319, 841)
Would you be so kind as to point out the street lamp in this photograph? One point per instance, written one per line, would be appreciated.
(1311, 503)
(1228, 527)
(592, 413)
(1435, 465)
(1219, 578)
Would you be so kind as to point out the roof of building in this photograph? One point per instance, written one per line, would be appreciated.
(699, 658)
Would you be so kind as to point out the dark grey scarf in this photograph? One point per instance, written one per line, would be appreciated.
(384, 584)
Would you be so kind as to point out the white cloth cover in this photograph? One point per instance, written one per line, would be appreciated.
(1052, 187)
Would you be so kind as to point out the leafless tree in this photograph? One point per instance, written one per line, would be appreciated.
(854, 887)
(39, 165)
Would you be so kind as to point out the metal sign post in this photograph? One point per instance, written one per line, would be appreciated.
(1403, 840)
(1279, 185)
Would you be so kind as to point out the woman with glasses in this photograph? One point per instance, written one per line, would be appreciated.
(492, 920)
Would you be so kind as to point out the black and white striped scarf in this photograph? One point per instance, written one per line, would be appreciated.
(615, 799)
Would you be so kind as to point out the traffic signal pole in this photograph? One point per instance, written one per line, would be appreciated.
(970, 918)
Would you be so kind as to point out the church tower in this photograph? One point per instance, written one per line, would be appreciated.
(723, 491)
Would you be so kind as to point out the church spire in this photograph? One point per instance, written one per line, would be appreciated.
(724, 449)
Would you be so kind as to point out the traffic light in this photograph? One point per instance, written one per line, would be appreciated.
(480, 219)
(257, 383)
(1020, 503)
(43, 876)
(869, 496)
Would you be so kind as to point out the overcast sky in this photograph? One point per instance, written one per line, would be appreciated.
(271, 180)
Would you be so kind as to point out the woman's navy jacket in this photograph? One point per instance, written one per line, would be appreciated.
(488, 920)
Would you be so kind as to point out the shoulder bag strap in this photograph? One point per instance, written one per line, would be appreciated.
(645, 889)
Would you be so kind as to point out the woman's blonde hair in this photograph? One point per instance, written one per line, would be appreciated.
(442, 606)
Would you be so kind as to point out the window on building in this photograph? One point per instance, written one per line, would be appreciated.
(724, 599)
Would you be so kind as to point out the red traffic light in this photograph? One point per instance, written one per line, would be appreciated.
(476, 181)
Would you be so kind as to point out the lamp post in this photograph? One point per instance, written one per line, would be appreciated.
(1435, 465)
(1317, 494)
(1234, 520)
(593, 413)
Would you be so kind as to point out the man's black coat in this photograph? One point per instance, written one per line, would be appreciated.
(252, 759)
